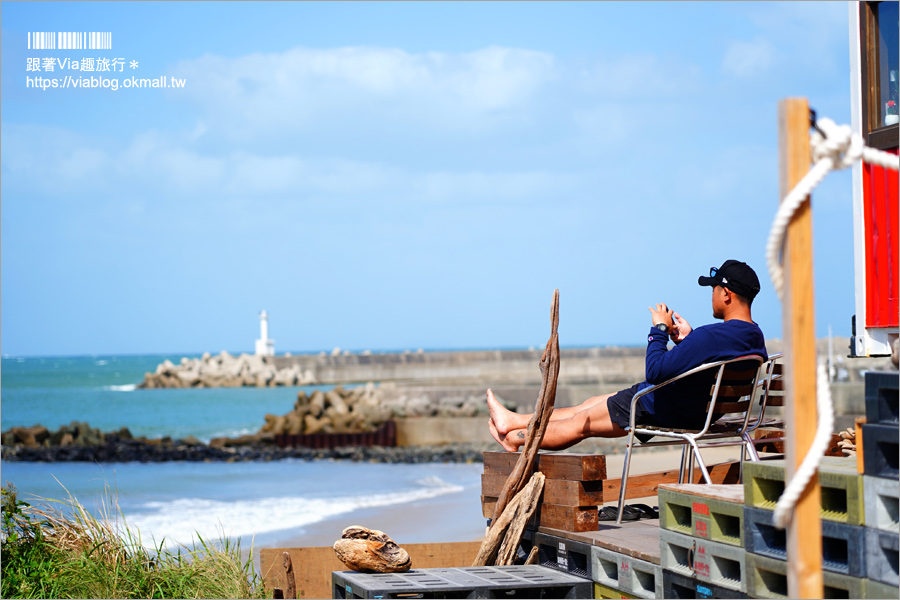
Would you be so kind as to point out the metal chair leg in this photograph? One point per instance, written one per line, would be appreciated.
(625, 469)
(700, 463)
(683, 467)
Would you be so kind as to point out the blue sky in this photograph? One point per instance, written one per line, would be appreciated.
(404, 175)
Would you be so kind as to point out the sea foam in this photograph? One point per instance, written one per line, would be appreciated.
(179, 521)
(128, 387)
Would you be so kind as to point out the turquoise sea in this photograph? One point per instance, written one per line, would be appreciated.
(275, 504)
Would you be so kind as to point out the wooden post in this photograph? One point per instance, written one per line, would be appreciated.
(804, 537)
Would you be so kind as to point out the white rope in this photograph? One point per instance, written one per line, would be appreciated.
(838, 149)
(784, 508)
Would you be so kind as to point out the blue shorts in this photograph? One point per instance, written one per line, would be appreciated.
(619, 407)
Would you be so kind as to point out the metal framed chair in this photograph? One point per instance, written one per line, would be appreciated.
(770, 390)
(733, 385)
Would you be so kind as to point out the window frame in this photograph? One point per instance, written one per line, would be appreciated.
(883, 138)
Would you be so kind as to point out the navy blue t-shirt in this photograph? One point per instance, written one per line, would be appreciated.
(683, 403)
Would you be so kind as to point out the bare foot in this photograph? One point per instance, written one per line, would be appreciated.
(501, 439)
(504, 420)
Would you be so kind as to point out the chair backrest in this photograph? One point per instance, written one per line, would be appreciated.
(733, 390)
(771, 382)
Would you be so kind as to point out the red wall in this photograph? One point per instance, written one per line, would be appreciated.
(882, 219)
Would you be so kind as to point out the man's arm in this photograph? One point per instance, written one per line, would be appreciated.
(662, 364)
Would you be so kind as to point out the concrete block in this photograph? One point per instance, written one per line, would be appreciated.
(880, 497)
(635, 577)
(767, 578)
(881, 556)
(841, 488)
(881, 450)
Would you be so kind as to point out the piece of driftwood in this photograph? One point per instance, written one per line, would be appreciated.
(522, 473)
(289, 575)
(371, 551)
(506, 531)
(532, 556)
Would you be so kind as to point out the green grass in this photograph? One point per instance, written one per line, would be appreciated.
(59, 550)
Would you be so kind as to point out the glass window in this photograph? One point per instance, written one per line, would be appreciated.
(887, 24)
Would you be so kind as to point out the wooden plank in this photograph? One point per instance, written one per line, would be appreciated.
(603, 492)
(574, 467)
(555, 516)
(726, 493)
(642, 486)
(313, 566)
(804, 541)
(556, 491)
(637, 542)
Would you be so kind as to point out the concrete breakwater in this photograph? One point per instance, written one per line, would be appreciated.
(579, 366)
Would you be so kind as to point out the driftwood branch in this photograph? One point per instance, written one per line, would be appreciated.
(510, 524)
(524, 468)
(289, 574)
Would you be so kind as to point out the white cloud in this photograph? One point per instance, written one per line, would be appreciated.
(749, 59)
(298, 87)
(156, 165)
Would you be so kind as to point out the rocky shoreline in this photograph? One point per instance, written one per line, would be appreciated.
(114, 449)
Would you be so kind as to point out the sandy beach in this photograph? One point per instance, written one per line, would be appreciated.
(456, 517)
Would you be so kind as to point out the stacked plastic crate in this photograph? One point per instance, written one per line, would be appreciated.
(701, 541)
(843, 533)
(881, 486)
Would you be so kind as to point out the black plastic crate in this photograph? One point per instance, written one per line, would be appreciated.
(676, 585)
(564, 554)
(882, 398)
(525, 581)
(880, 450)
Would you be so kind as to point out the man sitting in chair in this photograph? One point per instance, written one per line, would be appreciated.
(676, 405)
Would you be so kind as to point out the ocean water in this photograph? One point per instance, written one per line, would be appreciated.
(276, 504)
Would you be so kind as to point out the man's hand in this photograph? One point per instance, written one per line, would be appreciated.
(661, 314)
(681, 329)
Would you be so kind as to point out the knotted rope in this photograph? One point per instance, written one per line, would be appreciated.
(834, 147)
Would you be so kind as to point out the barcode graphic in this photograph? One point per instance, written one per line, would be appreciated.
(70, 40)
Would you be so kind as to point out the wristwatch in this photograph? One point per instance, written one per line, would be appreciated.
(662, 327)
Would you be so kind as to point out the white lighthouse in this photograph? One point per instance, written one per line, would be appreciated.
(264, 346)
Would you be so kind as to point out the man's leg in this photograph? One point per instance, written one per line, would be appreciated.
(505, 420)
(562, 433)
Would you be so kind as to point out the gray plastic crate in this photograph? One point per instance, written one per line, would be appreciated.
(875, 589)
(881, 556)
(676, 585)
(881, 498)
(881, 397)
(767, 578)
(632, 576)
(881, 449)
(531, 581)
(720, 564)
(843, 546)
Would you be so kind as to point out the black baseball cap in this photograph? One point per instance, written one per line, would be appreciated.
(735, 275)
